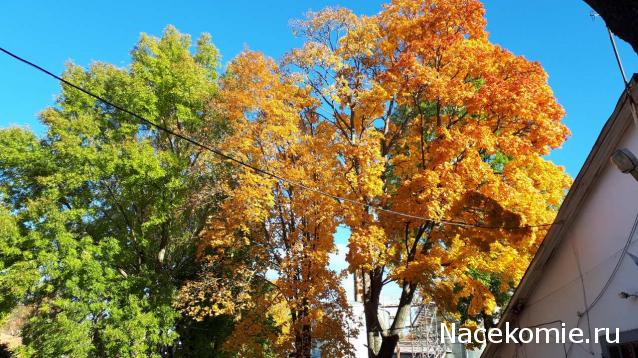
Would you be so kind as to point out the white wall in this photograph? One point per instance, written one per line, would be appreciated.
(360, 342)
(594, 240)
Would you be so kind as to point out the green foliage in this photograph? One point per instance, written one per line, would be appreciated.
(493, 284)
(204, 338)
(99, 218)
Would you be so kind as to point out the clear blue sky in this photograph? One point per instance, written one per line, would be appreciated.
(573, 48)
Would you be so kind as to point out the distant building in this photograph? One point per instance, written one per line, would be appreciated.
(421, 335)
(585, 273)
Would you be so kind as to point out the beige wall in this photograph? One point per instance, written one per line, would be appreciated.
(594, 240)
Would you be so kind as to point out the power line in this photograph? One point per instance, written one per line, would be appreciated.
(632, 103)
(254, 168)
(603, 290)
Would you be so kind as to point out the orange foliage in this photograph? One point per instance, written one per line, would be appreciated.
(413, 110)
(433, 120)
(280, 233)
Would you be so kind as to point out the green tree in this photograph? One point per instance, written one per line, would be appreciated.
(99, 217)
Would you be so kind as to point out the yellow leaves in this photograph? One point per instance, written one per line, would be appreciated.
(438, 19)
(534, 187)
(253, 329)
(364, 168)
(482, 300)
(253, 203)
(371, 103)
(367, 248)
(511, 266)
(361, 39)
(418, 34)
(423, 195)
(321, 25)
(422, 269)
(432, 119)
(312, 54)
(215, 294)
(268, 227)
(255, 91)
(515, 92)
(412, 109)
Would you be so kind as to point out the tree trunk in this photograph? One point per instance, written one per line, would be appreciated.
(372, 285)
(382, 341)
(303, 343)
(303, 336)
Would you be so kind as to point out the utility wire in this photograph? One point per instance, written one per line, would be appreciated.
(254, 168)
(632, 102)
(625, 249)
(634, 227)
(605, 287)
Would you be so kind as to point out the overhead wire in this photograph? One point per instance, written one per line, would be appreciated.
(256, 169)
(634, 228)
(611, 277)
(625, 249)
(632, 102)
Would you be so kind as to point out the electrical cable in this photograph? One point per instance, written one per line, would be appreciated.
(257, 169)
(623, 253)
(573, 280)
(632, 104)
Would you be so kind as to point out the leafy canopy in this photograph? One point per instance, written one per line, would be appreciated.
(413, 110)
(100, 216)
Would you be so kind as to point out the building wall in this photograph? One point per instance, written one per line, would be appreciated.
(593, 242)
(360, 342)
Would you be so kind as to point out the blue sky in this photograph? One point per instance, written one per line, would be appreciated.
(573, 48)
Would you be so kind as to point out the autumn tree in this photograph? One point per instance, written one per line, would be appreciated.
(432, 120)
(273, 236)
(99, 217)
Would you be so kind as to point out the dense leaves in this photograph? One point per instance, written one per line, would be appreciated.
(128, 242)
(412, 110)
(273, 237)
(100, 216)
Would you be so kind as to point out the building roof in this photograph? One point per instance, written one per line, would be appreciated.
(596, 162)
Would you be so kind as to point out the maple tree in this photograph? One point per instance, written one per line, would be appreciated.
(271, 237)
(433, 120)
(412, 110)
